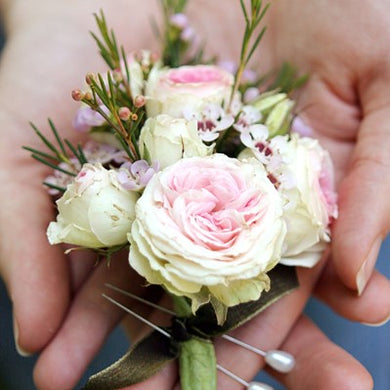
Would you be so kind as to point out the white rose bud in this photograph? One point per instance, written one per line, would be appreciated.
(95, 210)
(190, 88)
(167, 140)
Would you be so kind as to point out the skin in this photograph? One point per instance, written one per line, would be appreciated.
(57, 305)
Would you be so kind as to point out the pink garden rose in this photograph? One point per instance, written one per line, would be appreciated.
(169, 91)
(210, 229)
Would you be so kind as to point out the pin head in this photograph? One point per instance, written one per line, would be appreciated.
(280, 361)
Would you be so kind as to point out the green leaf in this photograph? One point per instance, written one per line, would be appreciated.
(142, 361)
(182, 306)
(197, 364)
(283, 281)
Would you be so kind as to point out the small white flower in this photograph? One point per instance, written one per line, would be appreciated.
(248, 117)
(211, 121)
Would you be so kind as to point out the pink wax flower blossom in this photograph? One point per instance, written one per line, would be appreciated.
(86, 118)
(251, 94)
(96, 152)
(300, 127)
(211, 222)
(229, 66)
(188, 34)
(179, 20)
(61, 179)
(135, 176)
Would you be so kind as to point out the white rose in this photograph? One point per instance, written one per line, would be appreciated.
(95, 211)
(303, 173)
(311, 201)
(209, 228)
(190, 88)
(167, 140)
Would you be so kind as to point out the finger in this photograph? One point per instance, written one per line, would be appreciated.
(81, 263)
(35, 273)
(364, 207)
(164, 380)
(373, 307)
(320, 364)
(168, 376)
(88, 323)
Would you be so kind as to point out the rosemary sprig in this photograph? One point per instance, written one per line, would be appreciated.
(252, 21)
(113, 54)
(107, 44)
(54, 187)
(173, 46)
(287, 80)
(57, 153)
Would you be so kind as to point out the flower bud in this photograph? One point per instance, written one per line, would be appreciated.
(124, 113)
(77, 95)
(154, 57)
(89, 78)
(134, 117)
(279, 119)
(117, 75)
(139, 101)
(267, 101)
(88, 95)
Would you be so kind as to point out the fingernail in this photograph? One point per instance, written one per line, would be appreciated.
(20, 350)
(377, 324)
(367, 266)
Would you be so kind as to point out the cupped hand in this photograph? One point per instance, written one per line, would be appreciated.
(342, 46)
(47, 53)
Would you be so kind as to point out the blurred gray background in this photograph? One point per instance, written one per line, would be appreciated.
(370, 345)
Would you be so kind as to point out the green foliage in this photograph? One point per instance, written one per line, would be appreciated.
(251, 39)
(286, 79)
(58, 152)
(175, 50)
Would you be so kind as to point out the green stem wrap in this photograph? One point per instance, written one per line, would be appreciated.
(197, 364)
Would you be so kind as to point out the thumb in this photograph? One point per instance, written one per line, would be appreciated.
(364, 202)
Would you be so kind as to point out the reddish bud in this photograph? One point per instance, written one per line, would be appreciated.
(124, 113)
(89, 78)
(77, 95)
(134, 117)
(139, 101)
(154, 57)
